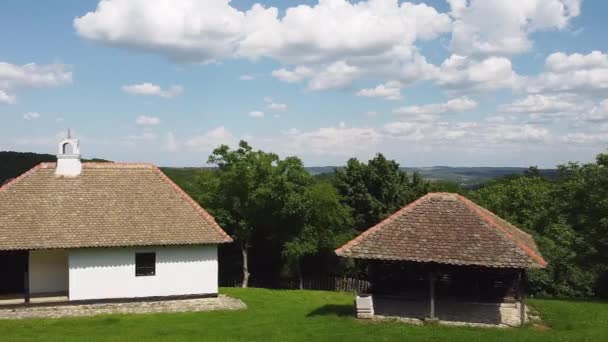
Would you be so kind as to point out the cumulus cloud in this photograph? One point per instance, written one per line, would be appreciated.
(330, 43)
(211, 139)
(497, 27)
(273, 105)
(6, 98)
(461, 74)
(541, 103)
(213, 30)
(31, 116)
(598, 113)
(246, 77)
(473, 134)
(32, 75)
(153, 90)
(572, 73)
(293, 76)
(430, 112)
(335, 76)
(333, 140)
(144, 120)
(390, 90)
(256, 114)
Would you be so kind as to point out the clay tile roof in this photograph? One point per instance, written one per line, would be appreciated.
(108, 205)
(449, 229)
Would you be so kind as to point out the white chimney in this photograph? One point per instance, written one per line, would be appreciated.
(68, 157)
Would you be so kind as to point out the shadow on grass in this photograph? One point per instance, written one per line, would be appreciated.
(333, 310)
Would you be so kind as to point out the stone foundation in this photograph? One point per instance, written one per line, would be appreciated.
(222, 302)
(447, 312)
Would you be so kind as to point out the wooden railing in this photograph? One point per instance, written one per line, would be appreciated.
(345, 284)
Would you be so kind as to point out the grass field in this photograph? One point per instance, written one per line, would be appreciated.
(275, 315)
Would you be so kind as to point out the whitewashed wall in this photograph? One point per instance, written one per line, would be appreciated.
(102, 273)
(48, 271)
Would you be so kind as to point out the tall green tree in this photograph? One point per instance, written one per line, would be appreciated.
(582, 196)
(240, 193)
(376, 189)
(323, 224)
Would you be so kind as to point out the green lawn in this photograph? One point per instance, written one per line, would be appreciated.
(304, 316)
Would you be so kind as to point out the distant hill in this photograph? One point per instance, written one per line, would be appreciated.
(12, 164)
(467, 177)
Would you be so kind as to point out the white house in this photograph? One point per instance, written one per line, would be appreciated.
(99, 231)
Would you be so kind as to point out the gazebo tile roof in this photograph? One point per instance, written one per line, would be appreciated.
(450, 229)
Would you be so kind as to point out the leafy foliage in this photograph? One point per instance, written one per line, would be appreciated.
(568, 216)
(274, 204)
(376, 189)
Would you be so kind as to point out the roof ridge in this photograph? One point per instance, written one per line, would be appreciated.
(208, 217)
(23, 175)
(382, 223)
(117, 164)
(479, 211)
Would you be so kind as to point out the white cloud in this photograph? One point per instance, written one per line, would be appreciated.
(31, 116)
(467, 134)
(211, 139)
(586, 138)
(572, 73)
(293, 76)
(498, 27)
(246, 78)
(214, 30)
(256, 114)
(153, 90)
(340, 140)
(461, 74)
(598, 113)
(145, 120)
(14, 77)
(272, 105)
(460, 104)
(331, 42)
(7, 98)
(390, 90)
(540, 103)
(335, 76)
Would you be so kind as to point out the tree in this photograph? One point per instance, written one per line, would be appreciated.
(581, 194)
(376, 189)
(324, 224)
(533, 204)
(239, 193)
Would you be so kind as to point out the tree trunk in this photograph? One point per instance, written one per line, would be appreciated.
(300, 277)
(245, 250)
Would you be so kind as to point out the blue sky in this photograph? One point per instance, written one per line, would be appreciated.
(462, 83)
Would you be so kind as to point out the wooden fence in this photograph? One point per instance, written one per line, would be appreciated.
(345, 284)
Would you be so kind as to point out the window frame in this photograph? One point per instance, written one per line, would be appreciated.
(147, 266)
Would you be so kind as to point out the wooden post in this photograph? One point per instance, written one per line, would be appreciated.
(522, 302)
(432, 294)
(26, 278)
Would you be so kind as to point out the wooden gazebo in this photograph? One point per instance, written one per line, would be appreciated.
(443, 257)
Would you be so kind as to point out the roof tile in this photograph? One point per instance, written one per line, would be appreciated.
(446, 228)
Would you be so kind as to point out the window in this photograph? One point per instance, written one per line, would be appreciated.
(145, 264)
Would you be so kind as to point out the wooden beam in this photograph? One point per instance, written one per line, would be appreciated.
(432, 295)
(522, 301)
(26, 278)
